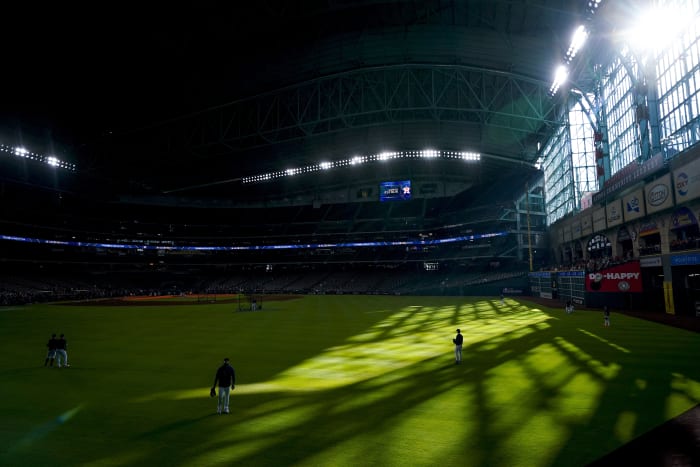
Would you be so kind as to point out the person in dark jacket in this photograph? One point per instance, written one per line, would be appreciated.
(51, 345)
(458, 347)
(226, 379)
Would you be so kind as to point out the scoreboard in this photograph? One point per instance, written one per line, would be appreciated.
(390, 191)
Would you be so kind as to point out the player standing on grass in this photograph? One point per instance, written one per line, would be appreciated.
(458, 347)
(51, 345)
(226, 377)
(62, 351)
(569, 307)
(606, 316)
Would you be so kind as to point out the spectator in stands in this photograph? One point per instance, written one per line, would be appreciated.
(62, 351)
(458, 347)
(51, 355)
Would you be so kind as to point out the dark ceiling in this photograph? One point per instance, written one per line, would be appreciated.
(113, 87)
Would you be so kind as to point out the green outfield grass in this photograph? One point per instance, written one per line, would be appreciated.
(337, 381)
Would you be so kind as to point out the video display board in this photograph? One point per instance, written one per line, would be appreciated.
(391, 191)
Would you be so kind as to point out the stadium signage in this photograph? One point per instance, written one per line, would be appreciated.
(614, 213)
(652, 262)
(572, 274)
(658, 194)
(685, 260)
(389, 191)
(634, 205)
(632, 172)
(614, 275)
(621, 278)
(687, 181)
(140, 247)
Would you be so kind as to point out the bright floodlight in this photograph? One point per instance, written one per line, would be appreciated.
(470, 156)
(325, 165)
(291, 171)
(560, 77)
(357, 160)
(577, 41)
(384, 156)
(656, 28)
(52, 161)
(429, 153)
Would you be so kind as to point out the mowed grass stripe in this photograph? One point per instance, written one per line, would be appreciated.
(338, 380)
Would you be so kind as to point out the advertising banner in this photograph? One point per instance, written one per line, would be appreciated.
(686, 181)
(682, 217)
(599, 220)
(625, 277)
(613, 213)
(633, 205)
(630, 174)
(650, 262)
(688, 259)
(586, 225)
(658, 194)
(648, 228)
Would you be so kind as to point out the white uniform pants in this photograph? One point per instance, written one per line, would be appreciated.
(61, 358)
(224, 394)
(458, 353)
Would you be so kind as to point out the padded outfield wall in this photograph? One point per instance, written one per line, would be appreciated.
(618, 286)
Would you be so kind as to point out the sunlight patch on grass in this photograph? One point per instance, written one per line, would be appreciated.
(434, 431)
(624, 426)
(116, 458)
(369, 336)
(544, 360)
(686, 385)
(229, 453)
(507, 384)
(608, 371)
(406, 339)
(253, 388)
(577, 398)
(542, 381)
(684, 393)
(43, 430)
(533, 442)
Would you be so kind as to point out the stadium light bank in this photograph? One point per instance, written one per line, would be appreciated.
(357, 160)
(22, 153)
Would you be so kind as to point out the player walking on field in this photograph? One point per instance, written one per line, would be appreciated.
(226, 378)
(458, 347)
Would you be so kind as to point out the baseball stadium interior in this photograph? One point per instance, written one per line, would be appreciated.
(539, 148)
(439, 147)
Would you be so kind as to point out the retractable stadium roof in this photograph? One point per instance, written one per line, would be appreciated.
(201, 96)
